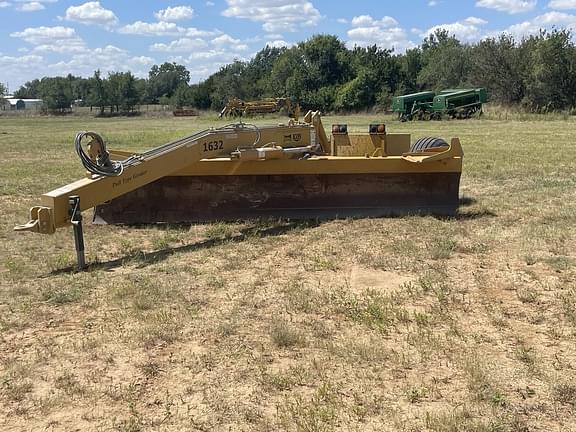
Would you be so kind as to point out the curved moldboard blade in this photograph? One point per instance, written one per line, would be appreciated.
(210, 198)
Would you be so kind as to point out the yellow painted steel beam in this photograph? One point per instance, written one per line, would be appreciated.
(53, 211)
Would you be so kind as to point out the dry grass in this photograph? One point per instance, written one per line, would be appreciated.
(402, 324)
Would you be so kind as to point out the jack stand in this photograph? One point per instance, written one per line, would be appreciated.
(76, 220)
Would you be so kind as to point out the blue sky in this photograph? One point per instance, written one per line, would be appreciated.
(56, 37)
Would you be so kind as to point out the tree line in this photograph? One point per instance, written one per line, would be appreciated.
(537, 73)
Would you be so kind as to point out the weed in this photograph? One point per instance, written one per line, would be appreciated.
(565, 393)
(530, 259)
(317, 414)
(356, 350)
(161, 328)
(568, 304)
(215, 281)
(227, 328)
(285, 336)
(527, 295)
(69, 384)
(61, 296)
(150, 369)
(463, 419)
(441, 248)
(299, 298)
(286, 380)
(480, 382)
(16, 391)
(219, 231)
(526, 355)
(560, 263)
(416, 394)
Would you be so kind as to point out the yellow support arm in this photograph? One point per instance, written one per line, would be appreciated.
(246, 142)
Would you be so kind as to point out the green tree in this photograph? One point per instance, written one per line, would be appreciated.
(97, 92)
(498, 65)
(182, 96)
(411, 65)
(163, 80)
(312, 72)
(446, 62)
(3, 92)
(226, 83)
(141, 85)
(56, 94)
(551, 77)
(327, 59)
(288, 77)
(121, 90)
(30, 90)
(378, 74)
(359, 92)
(200, 96)
(256, 75)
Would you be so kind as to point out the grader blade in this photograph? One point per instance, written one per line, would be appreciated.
(218, 198)
(243, 171)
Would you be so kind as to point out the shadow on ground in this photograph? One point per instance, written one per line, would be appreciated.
(146, 258)
(280, 227)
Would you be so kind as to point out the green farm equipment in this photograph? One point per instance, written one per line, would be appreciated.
(411, 105)
(459, 103)
(454, 103)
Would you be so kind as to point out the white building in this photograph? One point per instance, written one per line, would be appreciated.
(12, 103)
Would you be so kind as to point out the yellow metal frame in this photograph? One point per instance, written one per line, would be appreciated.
(208, 153)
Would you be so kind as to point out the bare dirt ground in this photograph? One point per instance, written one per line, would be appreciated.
(394, 324)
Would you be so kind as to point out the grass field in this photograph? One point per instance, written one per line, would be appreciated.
(394, 324)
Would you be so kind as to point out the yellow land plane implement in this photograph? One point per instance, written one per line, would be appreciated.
(237, 107)
(243, 171)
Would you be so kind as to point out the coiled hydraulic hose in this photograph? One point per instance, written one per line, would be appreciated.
(103, 165)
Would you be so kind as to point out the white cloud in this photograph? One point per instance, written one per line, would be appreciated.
(107, 59)
(4, 4)
(546, 21)
(278, 43)
(161, 28)
(342, 20)
(194, 32)
(562, 4)
(202, 64)
(48, 35)
(164, 28)
(432, 3)
(196, 45)
(467, 30)
(17, 70)
(183, 45)
(175, 13)
(210, 3)
(368, 21)
(31, 7)
(227, 41)
(26, 61)
(510, 6)
(91, 13)
(276, 15)
(384, 33)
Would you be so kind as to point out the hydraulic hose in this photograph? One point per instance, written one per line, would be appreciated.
(103, 165)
